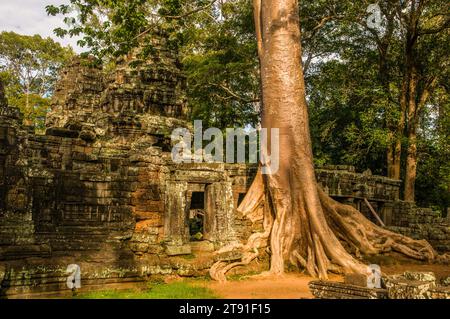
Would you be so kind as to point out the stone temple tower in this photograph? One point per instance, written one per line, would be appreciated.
(138, 92)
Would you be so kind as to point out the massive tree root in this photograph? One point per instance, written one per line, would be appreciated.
(359, 232)
(322, 250)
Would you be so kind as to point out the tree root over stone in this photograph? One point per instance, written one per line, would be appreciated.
(320, 255)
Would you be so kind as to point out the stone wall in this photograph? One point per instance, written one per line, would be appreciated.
(341, 181)
(99, 189)
(345, 185)
(409, 285)
(421, 223)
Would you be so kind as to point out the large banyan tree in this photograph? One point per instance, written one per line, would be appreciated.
(303, 226)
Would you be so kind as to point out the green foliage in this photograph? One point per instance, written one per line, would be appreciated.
(175, 290)
(433, 175)
(220, 60)
(354, 78)
(29, 68)
(347, 116)
(106, 27)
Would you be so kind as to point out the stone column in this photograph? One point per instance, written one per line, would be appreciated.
(219, 213)
(176, 229)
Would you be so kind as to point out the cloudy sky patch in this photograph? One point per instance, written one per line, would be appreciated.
(29, 17)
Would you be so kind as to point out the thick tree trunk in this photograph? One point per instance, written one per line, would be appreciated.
(299, 229)
(302, 225)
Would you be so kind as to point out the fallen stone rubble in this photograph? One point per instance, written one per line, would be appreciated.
(409, 285)
(338, 290)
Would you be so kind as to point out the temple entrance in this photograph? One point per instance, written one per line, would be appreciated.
(197, 216)
(199, 213)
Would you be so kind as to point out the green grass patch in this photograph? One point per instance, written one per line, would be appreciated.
(175, 290)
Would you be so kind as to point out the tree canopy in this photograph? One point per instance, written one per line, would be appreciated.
(29, 67)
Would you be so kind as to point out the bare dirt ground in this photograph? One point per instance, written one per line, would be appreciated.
(295, 286)
(289, 286)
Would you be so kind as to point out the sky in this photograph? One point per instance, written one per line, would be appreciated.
(29, 17)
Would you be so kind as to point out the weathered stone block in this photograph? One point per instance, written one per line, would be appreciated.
(152, 218)
(178, 250)
(401, 288)
(446, 281)
(88, 135)
(338, 290)
(139, 247)
(420, 276)
(359, 280)
(202, 246)
(62, 132)
(229, 255)
(439, 293)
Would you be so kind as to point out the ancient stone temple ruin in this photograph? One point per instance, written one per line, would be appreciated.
(100, 190)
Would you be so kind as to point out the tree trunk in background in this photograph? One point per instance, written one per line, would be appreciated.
(302, 224)
(411, 156)
(411, 165)
(417, 101)
(394, 154)
(390, 160)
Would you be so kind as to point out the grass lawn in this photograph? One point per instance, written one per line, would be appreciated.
(174, 290)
